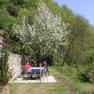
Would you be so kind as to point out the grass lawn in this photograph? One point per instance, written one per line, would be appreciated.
(55, 88)
(1, 89)
(40, 88)
(70, 74)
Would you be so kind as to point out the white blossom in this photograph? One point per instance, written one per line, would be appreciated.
(47, 32)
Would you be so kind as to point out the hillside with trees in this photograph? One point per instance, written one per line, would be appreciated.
(43, 30)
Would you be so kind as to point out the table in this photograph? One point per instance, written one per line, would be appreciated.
(38, 70)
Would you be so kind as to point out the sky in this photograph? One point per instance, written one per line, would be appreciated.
(84, 8)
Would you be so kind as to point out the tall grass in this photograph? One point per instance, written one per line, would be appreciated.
(70, 73)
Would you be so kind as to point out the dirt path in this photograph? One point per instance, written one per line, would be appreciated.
(67, 85)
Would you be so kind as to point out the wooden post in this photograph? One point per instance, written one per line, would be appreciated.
(40, 72)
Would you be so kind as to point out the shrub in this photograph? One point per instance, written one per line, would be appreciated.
(4, 75)
(49, 59)
(87, 74)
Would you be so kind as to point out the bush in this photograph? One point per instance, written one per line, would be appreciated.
(87, 74)
(49, 59)
(6, 21)
(4, 75)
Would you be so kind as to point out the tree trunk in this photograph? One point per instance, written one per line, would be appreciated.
(37, 57)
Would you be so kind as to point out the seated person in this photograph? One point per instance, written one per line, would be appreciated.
(28, 67)
(31, 69)
(45, 65)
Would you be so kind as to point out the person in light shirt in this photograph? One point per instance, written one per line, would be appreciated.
(45, 65)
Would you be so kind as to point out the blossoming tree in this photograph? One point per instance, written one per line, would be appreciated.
(46, 34)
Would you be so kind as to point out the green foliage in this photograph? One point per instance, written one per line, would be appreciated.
(87, 73)
(29, 14)
(6, 21)
(67, 14)
(12, 10)
(3, 2)
(80, 42)
(70, 73)
(25, 3)
(4, 75)
(80, 50)
(54, 7)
